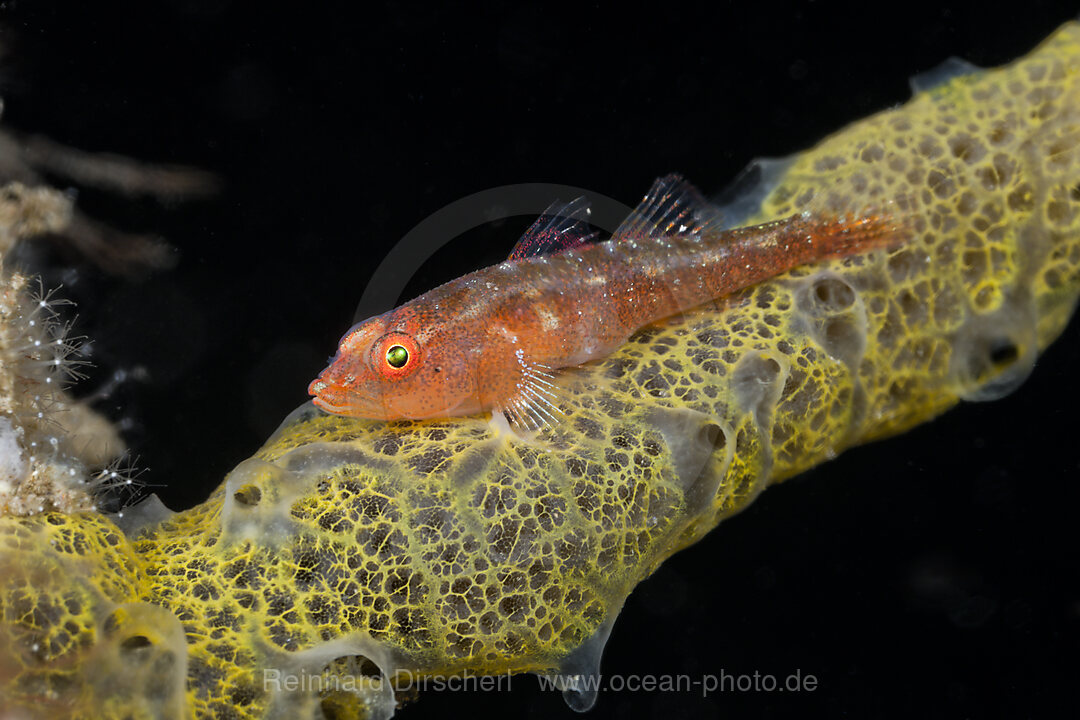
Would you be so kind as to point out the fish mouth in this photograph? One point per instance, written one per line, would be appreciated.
(333, 398)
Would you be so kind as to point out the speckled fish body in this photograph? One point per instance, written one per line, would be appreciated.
(491, 340)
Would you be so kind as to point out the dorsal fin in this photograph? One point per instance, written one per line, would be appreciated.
(671, 207)
(559, 228)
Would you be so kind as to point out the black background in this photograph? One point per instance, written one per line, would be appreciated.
(932, 574)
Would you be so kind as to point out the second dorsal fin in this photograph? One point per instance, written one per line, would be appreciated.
(559, 228)
(671, 207)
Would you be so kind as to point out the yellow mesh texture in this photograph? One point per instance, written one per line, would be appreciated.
(444, 547)
(76, 640)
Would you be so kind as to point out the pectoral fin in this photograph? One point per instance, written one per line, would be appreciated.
(535, 403)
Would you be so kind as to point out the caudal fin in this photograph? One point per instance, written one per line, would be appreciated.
(828, 236)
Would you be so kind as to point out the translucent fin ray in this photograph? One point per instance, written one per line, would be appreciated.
(559, 228)
(671, 207)
(534, 407)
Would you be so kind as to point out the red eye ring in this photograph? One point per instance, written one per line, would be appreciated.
(395, 347)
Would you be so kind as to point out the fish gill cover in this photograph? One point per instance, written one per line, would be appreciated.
(351, 550)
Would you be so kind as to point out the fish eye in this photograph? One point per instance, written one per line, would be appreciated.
(397, 356)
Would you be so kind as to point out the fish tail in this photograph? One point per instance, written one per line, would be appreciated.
(828, 238)
(759, 252)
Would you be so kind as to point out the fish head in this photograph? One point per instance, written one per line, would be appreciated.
(394, 367)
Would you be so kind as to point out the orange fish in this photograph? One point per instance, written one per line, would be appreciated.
(492, 340)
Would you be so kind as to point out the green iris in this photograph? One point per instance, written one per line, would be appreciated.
(397, 356)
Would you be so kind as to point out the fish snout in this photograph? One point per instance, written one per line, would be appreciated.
(329, 396)
(318, 386)
(339, 395)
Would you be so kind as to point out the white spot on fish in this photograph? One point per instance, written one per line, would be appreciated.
(549, 319)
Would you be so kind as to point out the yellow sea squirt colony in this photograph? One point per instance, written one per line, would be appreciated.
(348, 548)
